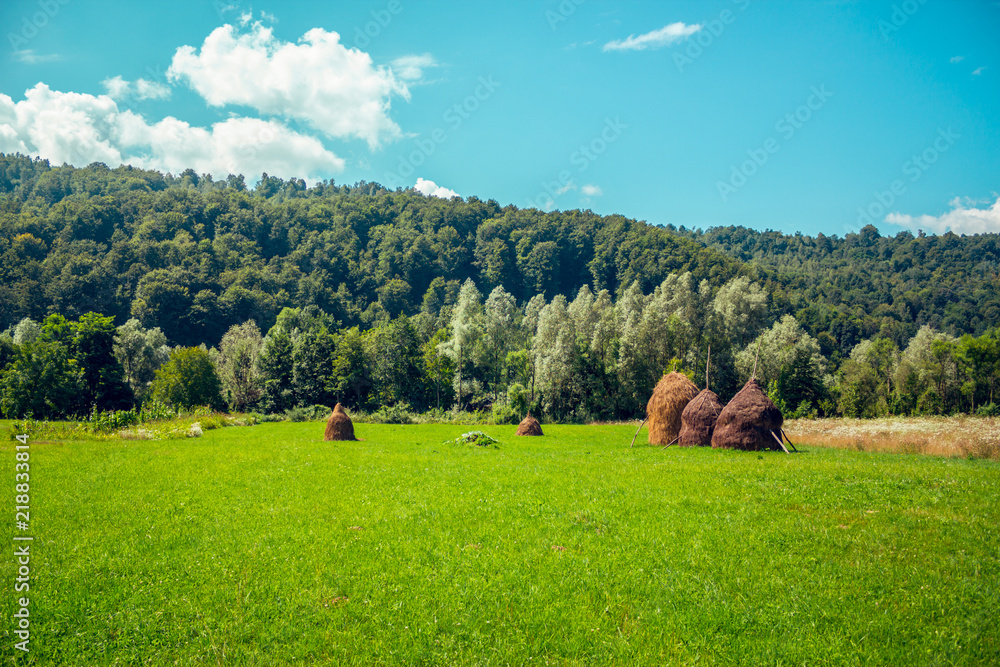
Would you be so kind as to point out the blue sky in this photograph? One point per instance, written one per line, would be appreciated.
(795, 116)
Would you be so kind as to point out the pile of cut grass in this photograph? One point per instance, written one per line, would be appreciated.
(265, 545)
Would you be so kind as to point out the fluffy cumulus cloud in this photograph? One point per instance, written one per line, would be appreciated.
(655, 39)
(79, 129)
(432, 189)
(592, 190)
(335, 89)
(120, 89)
(960, 220)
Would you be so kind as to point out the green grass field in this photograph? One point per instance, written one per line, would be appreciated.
(264, 545)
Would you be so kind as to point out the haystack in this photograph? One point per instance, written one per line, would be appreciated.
(339, 426)
(698, 420)
(750, 422)
(672, 394)
(529, 426)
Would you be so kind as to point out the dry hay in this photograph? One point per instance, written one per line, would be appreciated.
(672, 393)
(339, 426)
(751, 422)
(698, 420)
(529, 426)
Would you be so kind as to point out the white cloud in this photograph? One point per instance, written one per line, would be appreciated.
(654, 40)
(960, 220)
(119, 89)
(592, 190)
(569, 185)
(80, 129)
(335, 89)
(432, 189)
(978, 71)
(29, 57)
(956, 59)
(411, 68)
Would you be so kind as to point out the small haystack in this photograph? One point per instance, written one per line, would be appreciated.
(698, 420)
(672, 394)
(530, 426)
(339, 426)
(750, 422)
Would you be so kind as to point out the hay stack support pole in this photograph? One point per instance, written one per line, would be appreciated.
(637, 432)
(789, 440)
(773, 435)
(672, 442)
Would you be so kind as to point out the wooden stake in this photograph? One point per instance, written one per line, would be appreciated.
(672, 442)
(779, 442)
(757, 356)
(637, 432)
(707, 362)
(789, 440)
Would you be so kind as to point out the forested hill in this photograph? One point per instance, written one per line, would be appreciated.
(194, 256)
(949, 282)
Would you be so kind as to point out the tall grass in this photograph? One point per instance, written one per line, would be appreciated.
(967, 437)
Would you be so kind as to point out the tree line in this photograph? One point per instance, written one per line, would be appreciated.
(589, 358)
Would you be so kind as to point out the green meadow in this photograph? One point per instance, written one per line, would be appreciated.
(263, 545)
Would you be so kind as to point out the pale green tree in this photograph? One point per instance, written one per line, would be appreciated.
(238, 365)
(140, 352)
(466, 329)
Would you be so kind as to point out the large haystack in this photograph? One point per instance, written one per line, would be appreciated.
(698, 420)
(750, 422)
(339, 426)
(672, 394)
(529, 426)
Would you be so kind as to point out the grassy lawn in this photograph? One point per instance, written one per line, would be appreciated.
(263, 545)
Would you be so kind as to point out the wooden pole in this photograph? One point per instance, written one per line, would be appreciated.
(672, 442)
(637, 432)
(789, 440)
(779, 442)
(707, 362)
(757, 356)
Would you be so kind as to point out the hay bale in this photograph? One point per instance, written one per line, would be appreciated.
(529, 426)
(338, 425)
(663, 411)
(698, 420)
(749, 421)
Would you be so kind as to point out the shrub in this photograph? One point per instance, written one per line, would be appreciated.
(400, 413)
(988, 410)
(189, 379)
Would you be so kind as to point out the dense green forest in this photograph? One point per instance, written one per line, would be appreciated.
(296, 295)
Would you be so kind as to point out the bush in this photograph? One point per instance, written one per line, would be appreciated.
(111, 421)
(189, 379)
(396, 414)
(504, 414)
(988, 410)
(311, 413)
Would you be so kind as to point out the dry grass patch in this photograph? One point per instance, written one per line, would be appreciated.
(966, 437)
